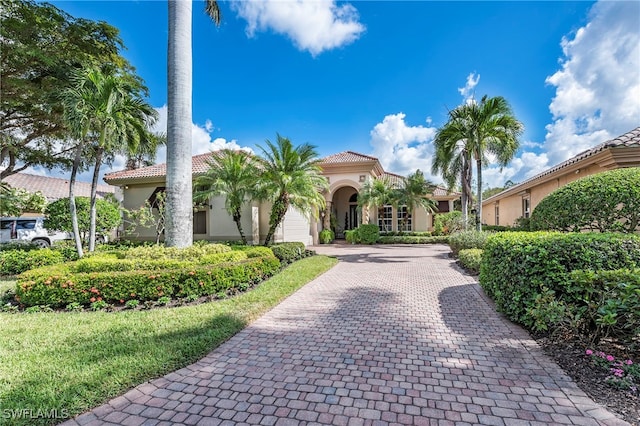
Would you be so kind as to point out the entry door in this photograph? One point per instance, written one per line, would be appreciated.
(353, 217)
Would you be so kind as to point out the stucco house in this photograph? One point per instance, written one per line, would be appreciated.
(519, 200)
(55, 188)
(346, 173)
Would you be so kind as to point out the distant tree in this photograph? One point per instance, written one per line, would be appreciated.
(413, 193)
(58, 216)
(376, 193)
(16, 201)
(290, 177)
(478, 129)
(41, 45)
(232, 174)
(179, 97)
(490, 192)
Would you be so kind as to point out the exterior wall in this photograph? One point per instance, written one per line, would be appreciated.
(511, 206)
(134, 198)
(295, 227)
(220, 224)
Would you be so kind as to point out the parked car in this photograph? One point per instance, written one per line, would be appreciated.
(29, 230)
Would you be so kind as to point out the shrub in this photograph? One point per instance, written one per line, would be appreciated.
(14, 262)
(405, 233)
(326, 236)
(58, 285)
(351, 236)
(517, 267)
(604, 202)
(496, 228)
(288, 252)
(58, 216)
(470, 259)
(410, 239)
(162, 252)
(254, 251)
(368, 233)
(447, 223)
(462, 240)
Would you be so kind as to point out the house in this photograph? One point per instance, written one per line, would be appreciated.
(346, 173)
(519, 200)
(55, 188)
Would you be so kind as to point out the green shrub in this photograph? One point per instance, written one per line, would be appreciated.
(68, 249)
(14, 262)
(410, 239)
(326, 236)
(470, 259)
(368, 233)
(288, 252)
(518, 266)
(496, 228)
(605, 303)
(254, 251)
(405, 233)
(604, 202)
(351, 235)
(162, 252)
(462, 240)
(447, 223)
(59, 286)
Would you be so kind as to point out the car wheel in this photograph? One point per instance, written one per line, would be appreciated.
(41, 243)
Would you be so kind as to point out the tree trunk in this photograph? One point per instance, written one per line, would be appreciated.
(479, 208)
(237, 218)
(467, 190)
(179, 219)
(72, 201)
(465, 200)
(92, 211)
(278, 211)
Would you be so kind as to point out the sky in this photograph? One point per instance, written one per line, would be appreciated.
(379, 77)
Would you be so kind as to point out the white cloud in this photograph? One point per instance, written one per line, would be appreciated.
(598, 86)
(401, 148)
(468, 91)
(312, 25)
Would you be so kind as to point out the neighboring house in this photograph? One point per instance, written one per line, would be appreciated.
(55, 188)
(346, 172)
(520, 200)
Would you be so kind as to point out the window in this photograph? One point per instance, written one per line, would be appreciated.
(159, 194)
(497, 210)
(385, 218)
(405, 221)
(7, 224)
(526, 207)
(26, 224)
(200, 222)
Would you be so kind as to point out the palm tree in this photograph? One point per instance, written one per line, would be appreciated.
(232, 174)
(376, 193)
(475, 130)
(413, 194)
(179, 227)
(106, 107)
(291, 177)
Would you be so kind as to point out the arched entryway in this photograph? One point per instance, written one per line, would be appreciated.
(345, 213)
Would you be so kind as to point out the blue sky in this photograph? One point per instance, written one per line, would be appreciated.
(378, 77)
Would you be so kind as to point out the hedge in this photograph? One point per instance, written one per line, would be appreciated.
(462, 240)
(13, 262)
(408, 239)
(470, 259)
(289, 252)
(58, 285)
(368, 233)
(518, 267)
(604, 202)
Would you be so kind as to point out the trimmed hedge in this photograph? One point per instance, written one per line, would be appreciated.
(162, 252)
(289, 252)
(58, 285)
(405, 234)
(13, 262)
(604, 202)
(470, 259)
(368, 233)
(408, 239)
(518, 267)
(463, 240)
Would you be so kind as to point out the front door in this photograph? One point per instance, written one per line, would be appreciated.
(353, 217)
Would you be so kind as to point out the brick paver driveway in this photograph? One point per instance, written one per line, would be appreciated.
(392, 334)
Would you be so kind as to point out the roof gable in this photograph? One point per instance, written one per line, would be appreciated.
(54, 188)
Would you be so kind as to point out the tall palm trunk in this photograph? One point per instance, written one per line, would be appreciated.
(179, 229)
(281, 205)
(72, 200)
(479, 195)
(237, 218)
(92, 209)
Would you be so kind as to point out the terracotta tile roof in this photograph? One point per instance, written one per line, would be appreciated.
(54, 188)
(347, 157)
(199, 166)
(443, 192)
(629, 139)
(393, 179)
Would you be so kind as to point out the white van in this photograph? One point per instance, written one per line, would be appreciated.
(29, 230)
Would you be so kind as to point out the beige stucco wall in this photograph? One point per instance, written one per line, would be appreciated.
(510, 207)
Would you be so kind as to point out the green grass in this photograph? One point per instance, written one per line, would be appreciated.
(75, 361)
(6, 283)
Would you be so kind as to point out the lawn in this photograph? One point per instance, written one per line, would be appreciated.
(71, 362)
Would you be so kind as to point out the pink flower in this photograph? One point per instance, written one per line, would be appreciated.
(610, 358)
(629, 362)
(589, 352)
(617, 372)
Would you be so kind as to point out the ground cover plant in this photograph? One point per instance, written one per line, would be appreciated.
(73, 361)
